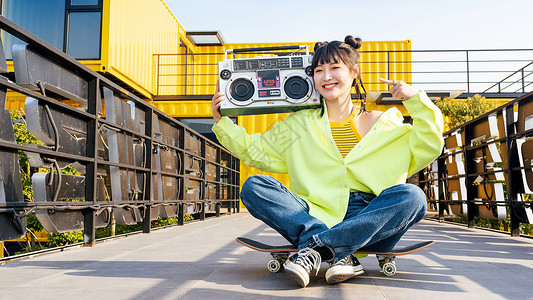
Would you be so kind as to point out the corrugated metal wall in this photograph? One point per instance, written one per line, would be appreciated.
(132, 31)
(185, 109)
(381, 64)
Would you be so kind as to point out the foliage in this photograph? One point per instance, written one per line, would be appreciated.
(502, 225)
(460, 111)
(62, 239)
(526, 229)
(24, 137)
(33, 224)
(170, 221)
(29, 249)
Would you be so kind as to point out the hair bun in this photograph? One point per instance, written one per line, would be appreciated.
(354, 42)
(318, 45)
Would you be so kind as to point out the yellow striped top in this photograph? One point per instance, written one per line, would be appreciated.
(345, 134)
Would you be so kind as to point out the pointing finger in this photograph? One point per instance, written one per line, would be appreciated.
(389, 82)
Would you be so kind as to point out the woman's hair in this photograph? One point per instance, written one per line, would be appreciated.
(345, 52)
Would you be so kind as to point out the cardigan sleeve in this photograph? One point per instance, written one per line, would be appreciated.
(425, 140)
(263, 151)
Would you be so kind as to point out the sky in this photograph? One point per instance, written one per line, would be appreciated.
(429, 24)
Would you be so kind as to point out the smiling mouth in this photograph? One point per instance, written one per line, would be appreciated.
(328, 86)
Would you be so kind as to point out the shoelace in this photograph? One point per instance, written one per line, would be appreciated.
(343, 261)
(309, 259)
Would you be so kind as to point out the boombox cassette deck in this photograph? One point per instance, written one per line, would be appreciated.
(263, 85)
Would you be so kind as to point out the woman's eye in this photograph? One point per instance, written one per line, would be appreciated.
(318, 71)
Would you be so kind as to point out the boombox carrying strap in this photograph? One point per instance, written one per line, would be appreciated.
(245, 50)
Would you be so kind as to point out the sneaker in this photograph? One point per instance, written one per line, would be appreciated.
(300, 265)
(344, 269)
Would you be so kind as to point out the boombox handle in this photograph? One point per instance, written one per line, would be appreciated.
(244, 50)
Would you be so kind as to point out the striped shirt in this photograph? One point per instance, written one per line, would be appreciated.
(345, 134)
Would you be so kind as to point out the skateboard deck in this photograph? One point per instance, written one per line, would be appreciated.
(281, 253)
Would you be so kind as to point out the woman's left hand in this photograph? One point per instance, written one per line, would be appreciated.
(400, 89)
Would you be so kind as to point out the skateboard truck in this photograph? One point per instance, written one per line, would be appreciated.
(387, 264)
(274, 265)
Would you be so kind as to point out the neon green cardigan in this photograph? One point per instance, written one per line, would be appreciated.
(302, 146)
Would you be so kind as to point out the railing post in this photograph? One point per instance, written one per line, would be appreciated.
(512, 162)
(523, 82)
(237, 181)
(203, 211)
(181, 214)
(89, 215)
(147, 219)
(469, 167)
(147, 195)
(89, 231)
(441, 166)
(186, 70)
(467, 73)
(157, 72)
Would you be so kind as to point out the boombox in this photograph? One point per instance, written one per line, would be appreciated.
(263, 85)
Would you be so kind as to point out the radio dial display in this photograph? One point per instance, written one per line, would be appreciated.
(268, 79)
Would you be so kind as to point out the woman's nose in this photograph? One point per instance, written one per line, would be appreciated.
(327, 75)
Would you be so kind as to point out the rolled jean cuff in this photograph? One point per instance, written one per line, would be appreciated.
(317, 241)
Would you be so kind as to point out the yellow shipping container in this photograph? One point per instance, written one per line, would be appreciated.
(132, 32)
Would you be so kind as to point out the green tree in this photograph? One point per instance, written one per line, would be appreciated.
(459, 111)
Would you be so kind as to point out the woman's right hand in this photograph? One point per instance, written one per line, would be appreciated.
(216, 102)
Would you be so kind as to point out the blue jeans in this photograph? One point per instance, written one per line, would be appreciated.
(371, 223)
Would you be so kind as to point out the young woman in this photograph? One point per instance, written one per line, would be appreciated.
(347, 168)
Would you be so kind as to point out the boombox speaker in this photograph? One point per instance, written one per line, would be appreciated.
(263, 85)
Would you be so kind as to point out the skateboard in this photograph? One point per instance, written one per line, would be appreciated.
(281, 253)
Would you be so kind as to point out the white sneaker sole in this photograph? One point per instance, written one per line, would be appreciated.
(339, 274)
(297, 273)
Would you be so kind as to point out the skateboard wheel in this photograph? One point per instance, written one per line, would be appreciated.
(389, 268)
(274, 266)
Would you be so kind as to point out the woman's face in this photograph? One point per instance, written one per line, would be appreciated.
(334, 80)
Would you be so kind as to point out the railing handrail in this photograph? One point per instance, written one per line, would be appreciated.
(514, 73)
(448, 72)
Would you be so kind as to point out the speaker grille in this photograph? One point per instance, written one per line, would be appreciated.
(296, 87)
(242, 89)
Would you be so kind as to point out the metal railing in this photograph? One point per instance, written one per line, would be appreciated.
(486, 169)
(132, 161)
(469, 71)
(521, 80)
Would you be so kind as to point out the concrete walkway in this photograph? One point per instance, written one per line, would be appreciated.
(201, 260)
